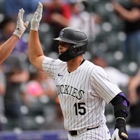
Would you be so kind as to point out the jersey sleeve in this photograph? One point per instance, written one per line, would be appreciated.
(102, 86)
(50, 65)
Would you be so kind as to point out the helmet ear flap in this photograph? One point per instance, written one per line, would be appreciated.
(72, 50)
(75, 49)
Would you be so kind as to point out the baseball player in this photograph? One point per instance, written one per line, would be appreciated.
(7, 47)
(83, 88)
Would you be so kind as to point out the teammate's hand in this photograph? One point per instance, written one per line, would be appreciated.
(37, 17)
(120, 132)
(21, 25)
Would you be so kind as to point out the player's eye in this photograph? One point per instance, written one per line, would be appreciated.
(64, 44)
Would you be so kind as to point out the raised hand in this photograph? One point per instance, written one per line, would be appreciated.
(37, 17)
(21, 25)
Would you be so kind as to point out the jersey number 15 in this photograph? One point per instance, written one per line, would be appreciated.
(80, 108)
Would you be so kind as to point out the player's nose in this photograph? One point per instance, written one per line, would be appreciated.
(60, 48)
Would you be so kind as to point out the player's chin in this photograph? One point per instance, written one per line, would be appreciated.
(60, 53)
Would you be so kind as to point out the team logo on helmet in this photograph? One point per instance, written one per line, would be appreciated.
(61, 33)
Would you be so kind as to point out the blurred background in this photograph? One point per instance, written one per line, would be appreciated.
(28, 101)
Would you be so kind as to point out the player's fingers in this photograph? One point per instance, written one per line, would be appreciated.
(123, 135)
(26, 24)
(40, 8)
(20, 14)
(112, 138)
(35, 16)
(115, 135)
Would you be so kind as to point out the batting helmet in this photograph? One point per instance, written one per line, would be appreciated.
(76, 38)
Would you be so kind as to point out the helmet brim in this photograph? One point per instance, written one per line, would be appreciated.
(64, 40)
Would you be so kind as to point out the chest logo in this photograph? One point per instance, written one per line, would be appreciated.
(60, 74)
(71, 91)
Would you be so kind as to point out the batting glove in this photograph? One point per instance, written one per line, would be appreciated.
(37, 17)
(120, 132)
(21, 25)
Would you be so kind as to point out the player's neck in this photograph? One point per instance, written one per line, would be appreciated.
(73, 64)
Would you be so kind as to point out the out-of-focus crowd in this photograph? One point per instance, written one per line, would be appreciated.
(28, 99)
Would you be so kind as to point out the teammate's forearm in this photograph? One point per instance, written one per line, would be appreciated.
(125, 14)
(34, 48)
(36, 55)
(7, 47)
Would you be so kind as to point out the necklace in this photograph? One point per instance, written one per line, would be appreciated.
(82, 61)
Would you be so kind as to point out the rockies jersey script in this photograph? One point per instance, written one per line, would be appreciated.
(83, 93)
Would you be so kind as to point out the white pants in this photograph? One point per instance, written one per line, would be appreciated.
(100, 133)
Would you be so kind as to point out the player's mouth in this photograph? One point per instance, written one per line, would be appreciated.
(60, 53)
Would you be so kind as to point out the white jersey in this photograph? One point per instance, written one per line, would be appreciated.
(83, 93)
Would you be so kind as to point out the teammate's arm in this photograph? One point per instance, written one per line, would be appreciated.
(36, 55)
(131, 15)
(121, 105)
(7, 47)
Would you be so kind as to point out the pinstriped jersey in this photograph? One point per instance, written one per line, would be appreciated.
(82, 93)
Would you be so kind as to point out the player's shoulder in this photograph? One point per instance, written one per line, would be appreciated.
(54, 61)
(95, 69)
(92, 65)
